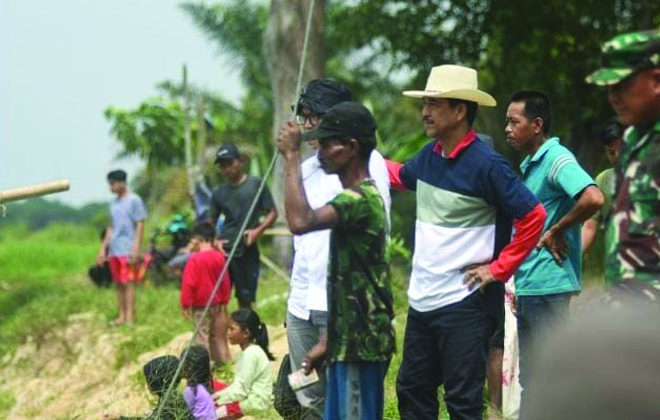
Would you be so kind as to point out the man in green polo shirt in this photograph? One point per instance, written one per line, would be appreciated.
(550, 275)
(631, 72)
(612, 139)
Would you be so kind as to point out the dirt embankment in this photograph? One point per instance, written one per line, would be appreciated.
(72, 375)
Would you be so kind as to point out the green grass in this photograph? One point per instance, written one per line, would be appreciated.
(43, 282)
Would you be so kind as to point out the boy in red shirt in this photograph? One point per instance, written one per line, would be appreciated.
(200, 275)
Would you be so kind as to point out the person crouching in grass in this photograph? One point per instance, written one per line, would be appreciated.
(200, 275)
(359, 342)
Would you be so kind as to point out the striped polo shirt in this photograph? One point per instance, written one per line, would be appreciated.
(466, 204)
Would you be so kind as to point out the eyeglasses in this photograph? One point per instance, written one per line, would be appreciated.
(304, 118)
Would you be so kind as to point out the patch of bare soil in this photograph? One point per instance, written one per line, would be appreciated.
(71, 375)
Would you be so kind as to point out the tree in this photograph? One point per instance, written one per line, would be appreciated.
(516, 44)
(153, 131)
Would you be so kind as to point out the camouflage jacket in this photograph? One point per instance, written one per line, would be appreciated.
(359, 293)
(633, 236)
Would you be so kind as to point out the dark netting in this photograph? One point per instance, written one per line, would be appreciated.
(285, 401)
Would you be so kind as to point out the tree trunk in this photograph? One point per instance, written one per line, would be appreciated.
(283, 46)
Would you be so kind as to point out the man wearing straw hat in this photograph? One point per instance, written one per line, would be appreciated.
(468, 202)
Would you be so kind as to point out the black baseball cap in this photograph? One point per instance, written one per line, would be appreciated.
(117, 175)
(346, 119)
(227, 152)
(322, 94)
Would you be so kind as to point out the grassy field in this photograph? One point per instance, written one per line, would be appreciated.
(43, 286)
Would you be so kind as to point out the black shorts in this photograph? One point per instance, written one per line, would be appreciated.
(244, 273)
(494, 305)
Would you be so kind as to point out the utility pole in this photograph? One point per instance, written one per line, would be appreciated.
(201, 134)
(186, 134)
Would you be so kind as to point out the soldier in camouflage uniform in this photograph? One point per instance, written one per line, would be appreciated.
(631, 71)
(360, 338)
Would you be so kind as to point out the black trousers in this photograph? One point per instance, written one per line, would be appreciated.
(446, 346)
(244, 273)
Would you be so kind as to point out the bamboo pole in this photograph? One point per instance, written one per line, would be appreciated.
(36, 190)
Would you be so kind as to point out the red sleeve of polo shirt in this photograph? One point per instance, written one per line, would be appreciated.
(527, 231)
(394, 171)
(187, 284)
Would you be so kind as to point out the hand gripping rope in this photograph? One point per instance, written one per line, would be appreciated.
(269, 171)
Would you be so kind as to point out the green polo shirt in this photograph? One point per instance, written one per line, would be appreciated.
(605, 181)
(557, 179)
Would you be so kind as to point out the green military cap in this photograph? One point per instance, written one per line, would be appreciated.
(625, 54)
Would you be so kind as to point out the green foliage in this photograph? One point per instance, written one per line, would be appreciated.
(38, 213)
(6, 401)
(516, 44)
(42, 281)
(237, 29)
(153, 131)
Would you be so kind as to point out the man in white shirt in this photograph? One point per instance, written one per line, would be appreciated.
(307, 304)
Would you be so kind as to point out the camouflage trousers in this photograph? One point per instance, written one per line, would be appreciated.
(633, 292)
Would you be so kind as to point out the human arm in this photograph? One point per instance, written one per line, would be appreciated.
(402, 176)
(247, 370)
(186, 295)
(301, 218)
(526, 232)
(251, 235)
(134, 257)
(504, 190)
(103, 252)
(316, 356)
(554, 239)
(588, 233)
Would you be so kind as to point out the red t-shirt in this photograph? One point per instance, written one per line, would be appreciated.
(199, 277)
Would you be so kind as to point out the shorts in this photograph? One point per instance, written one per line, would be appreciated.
(355, 391)
(244, 274)
(494, 306)
(124, 273)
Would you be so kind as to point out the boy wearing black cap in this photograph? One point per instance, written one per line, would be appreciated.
(122, 243)
(360, 339)
(233, 200)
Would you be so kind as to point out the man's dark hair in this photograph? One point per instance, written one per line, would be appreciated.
(471, 113)
(322, 94)
(204, 230)
(613, 132)
(537, 105)
(117, 176)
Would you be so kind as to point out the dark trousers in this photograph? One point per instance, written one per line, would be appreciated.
(536, 316)
(244, 273)
(446, 346)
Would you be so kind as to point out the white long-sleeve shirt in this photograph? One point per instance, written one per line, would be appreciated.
(310, 263)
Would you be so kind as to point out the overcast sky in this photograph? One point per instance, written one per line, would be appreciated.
(63, 61)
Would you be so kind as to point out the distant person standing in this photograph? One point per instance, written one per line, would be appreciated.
(200, 277)
(233, 200)
(612, 139)
(122, 243)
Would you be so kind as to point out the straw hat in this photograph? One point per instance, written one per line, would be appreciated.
(451, 81)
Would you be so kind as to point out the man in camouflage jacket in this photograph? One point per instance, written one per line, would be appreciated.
(631, 71)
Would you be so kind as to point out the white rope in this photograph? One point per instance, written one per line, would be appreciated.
(234, 247)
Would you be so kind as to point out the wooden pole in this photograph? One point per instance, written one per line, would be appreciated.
(201, 134)
(186, 134)
(31, 191)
